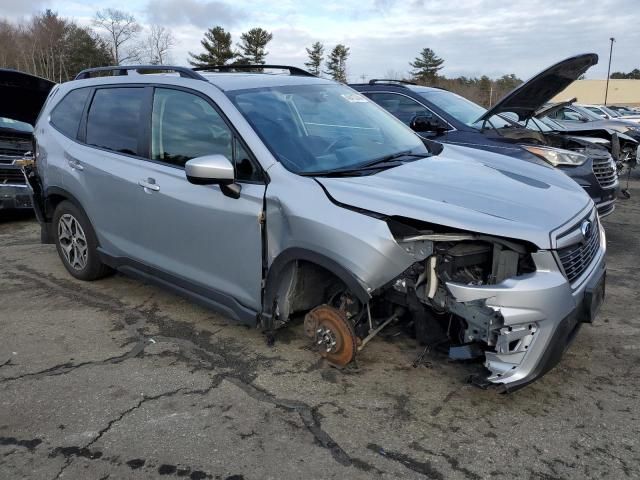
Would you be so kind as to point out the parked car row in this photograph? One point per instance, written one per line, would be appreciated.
(277, 198)
(611, 113)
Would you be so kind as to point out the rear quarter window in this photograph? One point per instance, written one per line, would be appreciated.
(66, 116)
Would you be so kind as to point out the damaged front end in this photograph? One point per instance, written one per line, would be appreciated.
(483, 296)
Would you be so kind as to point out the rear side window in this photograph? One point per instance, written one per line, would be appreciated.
(115, 119)
(67, 114)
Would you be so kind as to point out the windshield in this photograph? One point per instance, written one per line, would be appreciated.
(612, 113)
(536, 124)
(15, 125)
(585, 112)
(463, 110)
(319, 128)
(552, 124)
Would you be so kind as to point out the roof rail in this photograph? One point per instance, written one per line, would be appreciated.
(373, 81)
(125, 69)
(294, 71)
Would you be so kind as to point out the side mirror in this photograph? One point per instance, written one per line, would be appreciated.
(213, 170)
(424, 123)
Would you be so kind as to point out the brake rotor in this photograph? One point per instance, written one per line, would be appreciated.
(332, 333)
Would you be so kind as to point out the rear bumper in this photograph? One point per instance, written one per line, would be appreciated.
(541, 314)
(15, 197)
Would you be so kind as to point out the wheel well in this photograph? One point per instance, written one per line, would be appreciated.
(301, 285)
(51, 203)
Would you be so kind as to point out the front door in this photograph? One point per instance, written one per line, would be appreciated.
(196, 232)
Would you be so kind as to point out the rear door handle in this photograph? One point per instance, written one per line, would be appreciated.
(149, 184)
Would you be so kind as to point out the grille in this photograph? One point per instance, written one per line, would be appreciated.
(11, 175)
(576, 258)
(14, 146)
(605, 172)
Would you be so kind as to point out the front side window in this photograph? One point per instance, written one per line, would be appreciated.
(66, 116)
(402, 107)
(322, 127)
(115, 119)
(185, 126)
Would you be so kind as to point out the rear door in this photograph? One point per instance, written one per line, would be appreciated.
(103, 168)
(195, 232)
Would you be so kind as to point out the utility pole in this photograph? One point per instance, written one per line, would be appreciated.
(363, 77)
(606, 92)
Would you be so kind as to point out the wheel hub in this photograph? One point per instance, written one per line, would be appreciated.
(332, 333)
(326, 338)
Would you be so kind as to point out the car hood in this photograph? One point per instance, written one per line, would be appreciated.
(604, 124)
(22, 95)
(469, 189)
(525, 99)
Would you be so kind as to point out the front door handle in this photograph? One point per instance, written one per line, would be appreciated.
(149, 184)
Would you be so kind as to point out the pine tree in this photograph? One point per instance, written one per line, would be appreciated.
(252, 46)
(316, 56)
(337, 63)
(217, 46)
(426, 66)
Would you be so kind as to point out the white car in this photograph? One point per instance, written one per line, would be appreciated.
(611, 114)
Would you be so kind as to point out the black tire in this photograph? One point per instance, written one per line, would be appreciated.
(82, 260)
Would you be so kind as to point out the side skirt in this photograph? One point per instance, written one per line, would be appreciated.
(205, 296)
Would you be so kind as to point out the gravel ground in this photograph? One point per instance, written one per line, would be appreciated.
(118, 379)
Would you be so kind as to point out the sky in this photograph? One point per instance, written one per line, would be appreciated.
(474, 37)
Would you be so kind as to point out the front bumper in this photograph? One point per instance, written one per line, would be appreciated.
(14, 197)
(541, 313)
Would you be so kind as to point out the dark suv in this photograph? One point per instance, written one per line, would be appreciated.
(444, 116)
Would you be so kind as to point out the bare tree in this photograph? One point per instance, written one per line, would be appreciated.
(122, 29)
(158, 44)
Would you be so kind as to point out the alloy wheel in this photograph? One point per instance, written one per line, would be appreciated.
(73, 241)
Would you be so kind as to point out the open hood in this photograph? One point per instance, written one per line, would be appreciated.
(525, 99)
(22, 95)
(471, 190)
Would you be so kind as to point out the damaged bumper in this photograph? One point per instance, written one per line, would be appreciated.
(541, 314)
(14, 197)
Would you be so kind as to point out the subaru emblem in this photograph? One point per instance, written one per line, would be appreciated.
(585, 228)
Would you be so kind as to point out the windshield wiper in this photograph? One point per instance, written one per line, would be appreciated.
(380, 163)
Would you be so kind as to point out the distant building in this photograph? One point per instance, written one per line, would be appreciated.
(621, 92)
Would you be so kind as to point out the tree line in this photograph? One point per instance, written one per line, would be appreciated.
(632, 75)
(56, 48)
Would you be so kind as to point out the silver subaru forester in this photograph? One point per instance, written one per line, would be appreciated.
(276, 197)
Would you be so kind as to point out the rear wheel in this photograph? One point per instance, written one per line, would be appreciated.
(76, 243)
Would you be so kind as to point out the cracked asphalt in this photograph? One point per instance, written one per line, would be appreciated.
(116, 379)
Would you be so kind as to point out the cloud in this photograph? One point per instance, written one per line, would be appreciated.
(475, 37)
(16, 8)
(191, 12)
